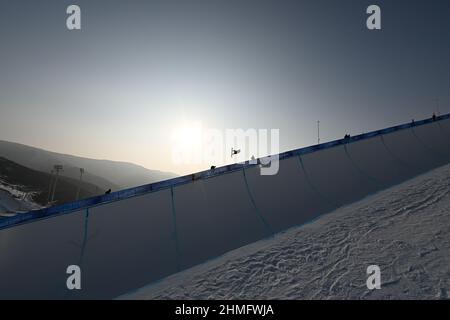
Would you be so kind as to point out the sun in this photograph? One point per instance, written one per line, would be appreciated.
(187, 143)
(188, 135)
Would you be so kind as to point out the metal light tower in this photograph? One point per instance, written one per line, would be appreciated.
(318, 132)
(437, 107)
(50, 186)
(79, 186)
(57, 168)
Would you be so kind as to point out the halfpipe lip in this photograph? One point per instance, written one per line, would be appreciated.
(171, 183)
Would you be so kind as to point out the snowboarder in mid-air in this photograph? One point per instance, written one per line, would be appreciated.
(108, 191)
(234, 152)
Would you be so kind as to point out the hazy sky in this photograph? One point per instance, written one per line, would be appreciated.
(140, 69)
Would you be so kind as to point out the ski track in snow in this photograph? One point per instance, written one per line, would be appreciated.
(405, 230)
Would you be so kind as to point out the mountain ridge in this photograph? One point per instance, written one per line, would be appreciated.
(106, 174)
(22, 187)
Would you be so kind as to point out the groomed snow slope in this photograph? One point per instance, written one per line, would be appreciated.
(405, 230)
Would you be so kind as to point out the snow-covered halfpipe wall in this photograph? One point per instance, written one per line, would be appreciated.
(125, 240)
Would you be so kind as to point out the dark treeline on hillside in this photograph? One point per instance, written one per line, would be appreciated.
(29, 180)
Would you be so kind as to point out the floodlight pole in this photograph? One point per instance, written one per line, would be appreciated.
(318, 132)
(79, 186)
(437, 107)
(57, 168)
(50, 186)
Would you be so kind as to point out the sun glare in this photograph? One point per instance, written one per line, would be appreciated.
(187, 143)
(189, 136)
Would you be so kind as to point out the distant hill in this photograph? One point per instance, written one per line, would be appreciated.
(25, 181)
(105, 174)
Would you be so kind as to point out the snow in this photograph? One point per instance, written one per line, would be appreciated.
(13, 200)
(405, 230)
